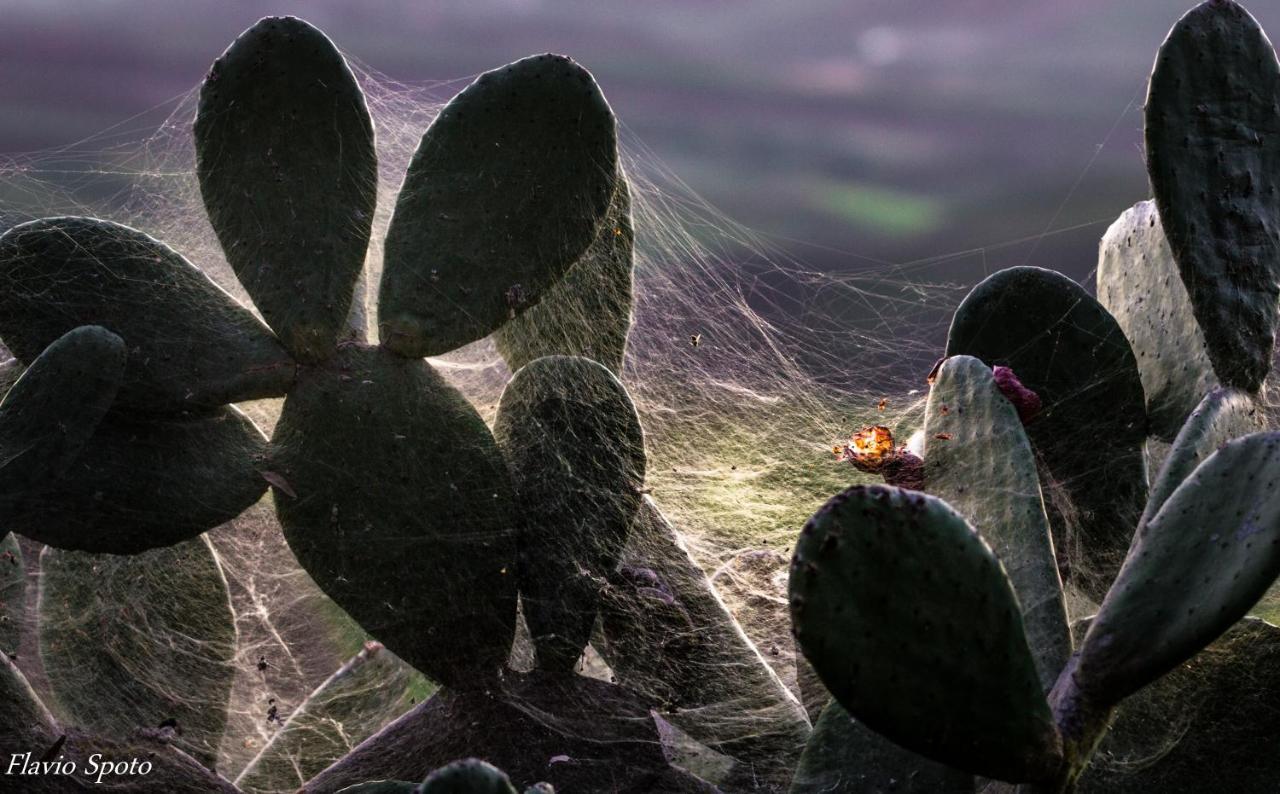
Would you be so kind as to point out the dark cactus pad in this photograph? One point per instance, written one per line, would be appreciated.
(130, 642)
(394, 497)
(588, 313)
(190, 344)
(288, 172)
(1066, 348)
(1195, 568)
(1210, 725)
(1213, 154)
(844, 757)
(506, 191)
(143, 483)
(573, 441)
(469, 776)
(52, 411)
(911, 623)
(1138, 283)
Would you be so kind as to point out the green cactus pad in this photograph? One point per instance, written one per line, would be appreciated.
(129, 642)
(1138, 283)
(843, 757)
(1066, 348)
(13, 594)
(1210, 725)
(912, 624)
(468, 776)
(1222, 415)
(369, 691)
(588, 313)
(394, 497)
(1213, 154)
(190, 344)
(1197, 566)
(143, 483)
(52, 411)
(978, 460)
(506, 191)
(572, 439)
(288, 173)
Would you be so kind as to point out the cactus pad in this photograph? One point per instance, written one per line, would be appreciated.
(1138, 283)
(469, 776)
(143, 483)
(588, 313)
(911, 623)
(285, 157)
(506, 191)
(119, 635)
(979, 461)
(1222, 415)
(843, 757)
(190, 344)
(394, 497)
(572, 439)
(52, 411)
(1213, 154)
(1196, 567)
(1066, 348)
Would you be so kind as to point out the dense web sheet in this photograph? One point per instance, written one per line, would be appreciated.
(745, 366)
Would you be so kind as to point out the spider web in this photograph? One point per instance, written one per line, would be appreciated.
(745, 366)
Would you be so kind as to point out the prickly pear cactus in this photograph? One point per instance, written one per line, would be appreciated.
(1213, 154)
(1065, 347)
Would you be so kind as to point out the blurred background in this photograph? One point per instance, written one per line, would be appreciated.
(847, 133)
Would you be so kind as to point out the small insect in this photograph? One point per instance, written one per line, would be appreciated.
(883, 404)
(942, 436)
(695, 339)
(262, 664)
(273, 713)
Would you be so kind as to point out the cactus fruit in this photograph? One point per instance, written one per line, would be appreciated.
(573, 442)
(887, 584)
(844, 757)
(588, 313)
(1138, 283)
(118, 633)
(389, 473)
(1213, 155)
(1066, 348)
(191, 346)
(288, 173)
(979, 461)
(505, 192)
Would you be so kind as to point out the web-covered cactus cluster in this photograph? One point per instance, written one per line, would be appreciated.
(1108, 450)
